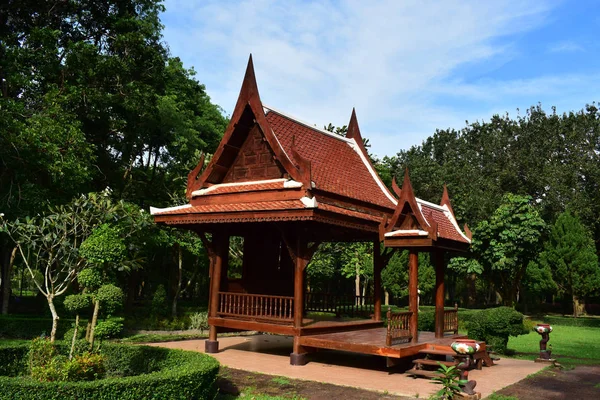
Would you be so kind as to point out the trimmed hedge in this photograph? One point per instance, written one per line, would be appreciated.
(495, 325)
(133, 372)
(18, 327)
(570, 321)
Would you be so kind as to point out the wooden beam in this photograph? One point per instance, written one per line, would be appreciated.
(413, 295)
(440, 268)
(377, 267)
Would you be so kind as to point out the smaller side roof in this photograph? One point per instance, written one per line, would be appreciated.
(419, 223)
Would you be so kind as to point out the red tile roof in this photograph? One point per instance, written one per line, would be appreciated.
(236, 207)
(243, 187)
(446, 227)
(336, 166)
(350, 213)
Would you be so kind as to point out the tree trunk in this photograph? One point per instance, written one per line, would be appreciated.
(387, 298)
(55, 318)
(578, 306)
(6, 280)
(132, 286)
(94, 321)
(74, 336)
(472, 289)
(178, 282)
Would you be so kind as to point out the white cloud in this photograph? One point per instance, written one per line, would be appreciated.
(565, 46)
(389, 59)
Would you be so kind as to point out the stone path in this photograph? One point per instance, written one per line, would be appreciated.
(269, 354)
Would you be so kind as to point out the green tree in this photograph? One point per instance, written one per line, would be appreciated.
(357, 262)
(51, 243)
(570, 254)
(90, 97)
(508, 242)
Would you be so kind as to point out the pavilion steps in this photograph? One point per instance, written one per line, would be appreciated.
(426, 361)
(428, 364)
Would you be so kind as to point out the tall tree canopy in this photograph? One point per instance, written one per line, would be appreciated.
(508, 242)
(571, 256)
(91, 98)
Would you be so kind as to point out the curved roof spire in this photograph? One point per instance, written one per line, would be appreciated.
(354, 133)
(446, 200)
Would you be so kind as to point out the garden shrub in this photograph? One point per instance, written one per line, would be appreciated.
(132, 373)
(13, 359)
(46, 364)
(199, 321)
(570, 321)
(495, 325)
(19, 327)
(109, 328)
(84, 367)
(427, 321)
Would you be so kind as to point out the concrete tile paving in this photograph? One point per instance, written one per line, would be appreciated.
(269, 354)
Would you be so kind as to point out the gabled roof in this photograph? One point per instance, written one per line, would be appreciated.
(270, 166)
(339, 165)
(419, 223)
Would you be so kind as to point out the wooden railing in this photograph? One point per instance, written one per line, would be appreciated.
(339, 304)
(398, 328)
(451, 320)
(256, 306)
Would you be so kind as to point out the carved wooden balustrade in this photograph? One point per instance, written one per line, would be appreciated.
(256, 306)
(451, 320)
(339, 304)
(398, 328)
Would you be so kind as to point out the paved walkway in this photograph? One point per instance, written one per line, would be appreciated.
(269, 354)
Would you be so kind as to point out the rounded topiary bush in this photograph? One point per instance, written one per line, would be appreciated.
(495, 325)
(132, 372)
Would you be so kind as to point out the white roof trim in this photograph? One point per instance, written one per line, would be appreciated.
(280, 146)
(449, 215)
(421, 211)
(155, 210)
(432, 205)
(446, 212)
(292, 184)
(308, 125)
(411, 231)
(352, 143)
(220, 185)
(309, 203)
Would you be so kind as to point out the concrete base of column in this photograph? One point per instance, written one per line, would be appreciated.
(211, 346)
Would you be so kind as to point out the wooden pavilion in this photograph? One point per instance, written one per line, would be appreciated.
(286, 186)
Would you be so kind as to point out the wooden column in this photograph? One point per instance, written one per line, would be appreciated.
(221, 247)
(413, 295)
(440, 269)
(377, 267)
(299, 265)
(300, 254)
(298, 356)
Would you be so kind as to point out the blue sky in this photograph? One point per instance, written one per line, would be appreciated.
(409, 67)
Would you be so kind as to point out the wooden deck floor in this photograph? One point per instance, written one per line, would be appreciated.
(372, 341)
(310, 326)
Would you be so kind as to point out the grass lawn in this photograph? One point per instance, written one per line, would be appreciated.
(570, 345)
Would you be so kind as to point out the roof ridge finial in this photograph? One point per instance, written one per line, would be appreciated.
(446, 200)
(249, 86)
(406, 185)
(395, 187)
(353, 129)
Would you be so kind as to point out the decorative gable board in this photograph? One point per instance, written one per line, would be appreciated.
(255, 160)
